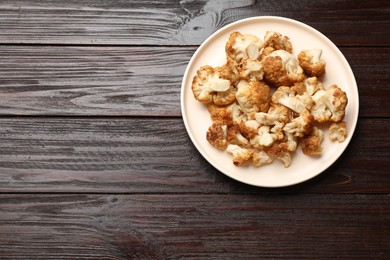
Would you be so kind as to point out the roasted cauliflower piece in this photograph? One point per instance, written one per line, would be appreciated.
(300, 125)
(311, 143)
(329, 105)
(251, 70)
(287, 97)
(310, 61)
(242, 46)
(241, 155)
(338, 131)
(217, 136)
(281, 68)
(234, 136)
(229, 71)
(223, 98)
(253, 97)
(260, 158)
(277, 41)
(207, 82)
(263, 138)
(220, 114)
(280, 151)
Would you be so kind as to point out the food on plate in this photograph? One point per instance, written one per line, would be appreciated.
(265, 103)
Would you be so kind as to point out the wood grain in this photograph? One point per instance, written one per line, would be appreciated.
(186, 22)
(133, 81)
(141, 155)
(194, 226)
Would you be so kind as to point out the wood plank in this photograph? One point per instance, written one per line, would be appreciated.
(194, 226)
(137, 155)
(104, 81)
(172, 22)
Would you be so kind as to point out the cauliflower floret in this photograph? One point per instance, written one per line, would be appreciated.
(251, 70)
(277, 41)
(276, 114)
(280, 151)
(253, 97)
(338, 131)
(301, 125)
(229, 71)
(220, 114)
(264, 137)
(217, 136)
(286, 97)
(207, 82)
(282, 68)
(238, 114)
(310, 62)
(329, 105)
(260, 158)
(240, 155)
(249, 128)
(223, 98)
(292, 142)
(234, 136)
(311, 143)
(241, 46)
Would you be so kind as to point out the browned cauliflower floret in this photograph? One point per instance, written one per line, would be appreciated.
(280, 151)
(281, 68)
(220, 114)
(251, 70)
(207, 82)
(260, 158)
(234, 136)
(229, 71)
(311, 143)
(338, 131)
(277, 41)
(263, 138)
(249, 128)
(300, 125)
(276, 118)
(241, 46)
(223, 98)
(253, 97)
(286, 96)
(310, 62)
(217, 136)
(329, 105)
(240, 155)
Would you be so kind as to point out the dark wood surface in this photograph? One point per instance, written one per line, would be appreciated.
(95, 162)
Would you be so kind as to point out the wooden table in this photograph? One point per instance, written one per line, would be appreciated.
(95, 161)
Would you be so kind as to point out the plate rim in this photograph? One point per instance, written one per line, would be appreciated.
(210, 38)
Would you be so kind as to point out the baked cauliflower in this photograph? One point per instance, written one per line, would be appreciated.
(310, 61)
(251, 70)
(329, 105)
(207, 83)
(287, 97)
(217, 136)
(276, 41)
(311, 143)
(300, 125)
(280, 151)
(338, 131)
(257, 124)
(241, 46)
(241, 155)
(253, 97)
(281, 68)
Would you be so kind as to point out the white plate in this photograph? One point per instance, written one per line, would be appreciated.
(197, 120)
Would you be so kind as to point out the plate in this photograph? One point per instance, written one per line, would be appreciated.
(197, 120)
